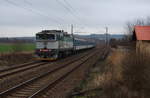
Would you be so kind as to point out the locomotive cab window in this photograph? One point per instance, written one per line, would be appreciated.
(45, 36)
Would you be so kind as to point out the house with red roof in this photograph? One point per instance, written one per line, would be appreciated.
(141, 33)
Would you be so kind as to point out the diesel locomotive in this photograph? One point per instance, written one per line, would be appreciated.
(54, 44)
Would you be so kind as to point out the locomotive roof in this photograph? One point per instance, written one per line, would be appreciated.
(51, 31)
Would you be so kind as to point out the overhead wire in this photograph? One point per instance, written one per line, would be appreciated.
(68, 4)
(77, 14)
(32, 10)
(64, 5)
(27, 2)
(68, 9)
(31, 4)
(35, 11)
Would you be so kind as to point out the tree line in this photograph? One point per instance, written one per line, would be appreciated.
(16, 40)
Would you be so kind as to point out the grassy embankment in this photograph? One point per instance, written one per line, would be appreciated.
(7, 47)
(15, 53)
(124, 74)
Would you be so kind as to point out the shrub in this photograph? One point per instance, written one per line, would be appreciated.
(130, 75)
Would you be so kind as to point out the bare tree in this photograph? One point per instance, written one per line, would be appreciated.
(130, 27)
(148, 20)
(140, 22)
(131, 24)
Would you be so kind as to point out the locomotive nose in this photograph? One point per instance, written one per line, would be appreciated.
(45, 45)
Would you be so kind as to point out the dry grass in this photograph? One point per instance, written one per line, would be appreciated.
(130, 75)
(124, 74)
(16, 55)
(14, 58)
(99, 77)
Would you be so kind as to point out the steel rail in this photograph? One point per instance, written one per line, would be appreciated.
(51, 85)
(17, 66)
(36, 78)
(9, 71)
(20, 69)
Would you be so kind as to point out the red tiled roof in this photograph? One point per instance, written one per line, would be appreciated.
(142, 32)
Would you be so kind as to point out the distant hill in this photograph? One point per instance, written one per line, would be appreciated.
(32, 39)
(119, 36)
(101, 36)
(17, 39)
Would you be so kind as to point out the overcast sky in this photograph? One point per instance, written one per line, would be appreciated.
(26, 17)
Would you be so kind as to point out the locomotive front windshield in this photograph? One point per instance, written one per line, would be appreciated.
(45, 37)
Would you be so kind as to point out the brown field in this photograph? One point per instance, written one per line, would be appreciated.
(9, 59)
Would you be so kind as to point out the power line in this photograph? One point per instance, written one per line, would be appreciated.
(30, 4)
(68, 9)
(68, 4)
(31, 10)
(59, 18)
(27, 2)
(64, 6)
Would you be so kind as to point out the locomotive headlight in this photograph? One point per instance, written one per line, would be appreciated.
(44, 50)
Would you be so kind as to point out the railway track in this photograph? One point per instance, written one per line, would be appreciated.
(7, 74)
(34, 86)
(63, 87)
(17, 66)
(19, 75)
(60, 79)
(15, 70)
(23, 67)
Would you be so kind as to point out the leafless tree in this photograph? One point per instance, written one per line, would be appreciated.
(148, 20)
(130, 25)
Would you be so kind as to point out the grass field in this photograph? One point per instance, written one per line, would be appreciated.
(7, 47)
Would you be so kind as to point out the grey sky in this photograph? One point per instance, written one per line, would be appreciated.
(26, 17)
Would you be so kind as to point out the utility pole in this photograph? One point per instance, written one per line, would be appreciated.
(72, 29)
(72, 35)
(106, 40)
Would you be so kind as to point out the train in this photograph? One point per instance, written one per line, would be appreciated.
(54, 44)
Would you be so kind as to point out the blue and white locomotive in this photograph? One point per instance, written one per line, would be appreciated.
(53, 44)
